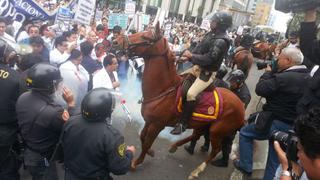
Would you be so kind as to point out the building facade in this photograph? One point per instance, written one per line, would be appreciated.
(262, 12)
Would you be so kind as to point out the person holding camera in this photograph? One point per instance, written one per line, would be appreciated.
(310, 47)
(282, 89)
(308, 149)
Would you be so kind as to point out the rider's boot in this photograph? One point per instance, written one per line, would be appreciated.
(205, 146)
(190, 148)
(181, 126)
(223, 162)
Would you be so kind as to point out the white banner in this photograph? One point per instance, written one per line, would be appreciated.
(85, 10)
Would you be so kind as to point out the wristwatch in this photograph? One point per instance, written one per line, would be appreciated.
(286, 173)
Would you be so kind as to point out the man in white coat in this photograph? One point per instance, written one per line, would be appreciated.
(107, 77)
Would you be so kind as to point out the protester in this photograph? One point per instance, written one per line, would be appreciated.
(92, 37)
(38, 47)
(75, 77)
(107, 77)
(33, 31)
(101, 150)
(60, 53)
(100, 52)
(282, 91)
(3, 35)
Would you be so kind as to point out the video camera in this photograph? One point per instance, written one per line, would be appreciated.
(287, 6)
(263, 65)
(288, 142)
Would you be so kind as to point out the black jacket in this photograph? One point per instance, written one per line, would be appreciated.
(209, 53)
(244, 94)
(94, 149)
(10, 83)
(310, 48)
(282, 91)
(40, 132)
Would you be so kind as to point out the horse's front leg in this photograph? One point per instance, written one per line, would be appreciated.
(195, 136)
(150, 133)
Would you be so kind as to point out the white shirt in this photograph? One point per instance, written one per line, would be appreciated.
(10, 40)
(56, 57)
(75, 79)
(102, 79)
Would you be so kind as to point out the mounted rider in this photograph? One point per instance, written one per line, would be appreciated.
(207, 57)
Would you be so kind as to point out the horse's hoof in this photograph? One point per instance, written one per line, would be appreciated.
(173, 149)
(133, 166)
(151, 152)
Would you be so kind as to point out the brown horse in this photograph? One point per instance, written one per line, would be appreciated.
(261, 50)
(243, 59)
(159, 89)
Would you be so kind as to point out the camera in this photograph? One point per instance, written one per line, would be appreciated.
(263, 65)
(287, 6)
(288, 142)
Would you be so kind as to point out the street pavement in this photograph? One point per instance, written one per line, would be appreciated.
(175, 166)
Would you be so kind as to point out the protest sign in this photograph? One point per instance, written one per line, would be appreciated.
(130, 7)
(85, 11)
(205, 24)
(116, 19)
(63, 20)
(167, 30)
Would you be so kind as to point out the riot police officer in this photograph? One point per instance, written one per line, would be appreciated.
(239, 87)
(10, 83)
(41, 119)
(207, 58)
(92, 147)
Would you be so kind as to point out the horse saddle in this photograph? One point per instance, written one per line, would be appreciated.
(209, 102)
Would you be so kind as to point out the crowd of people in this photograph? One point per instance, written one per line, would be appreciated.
(49, 117)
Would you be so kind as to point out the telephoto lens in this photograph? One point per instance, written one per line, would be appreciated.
(288, 142)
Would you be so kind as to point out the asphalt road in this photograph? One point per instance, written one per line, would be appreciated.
(164, 165)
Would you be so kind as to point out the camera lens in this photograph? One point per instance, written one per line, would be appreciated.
(282, 138)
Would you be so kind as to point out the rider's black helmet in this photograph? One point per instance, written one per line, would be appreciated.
(222, 72)
(247, 41)
(43, 77)
(97, 105)
(223, 19)
(237, 76)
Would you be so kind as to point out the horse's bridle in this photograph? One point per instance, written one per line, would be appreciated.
(150, 41)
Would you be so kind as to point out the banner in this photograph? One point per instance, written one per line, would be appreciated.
(20, 10)
(118, 20)
(85, 11)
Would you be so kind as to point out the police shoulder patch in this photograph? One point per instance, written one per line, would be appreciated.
(121, 149)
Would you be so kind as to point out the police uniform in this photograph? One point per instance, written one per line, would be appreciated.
(10, 83)
(93, 150)
(207, 57)
(41, 122)
(243, 93)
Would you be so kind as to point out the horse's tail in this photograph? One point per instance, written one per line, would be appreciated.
(244, 67)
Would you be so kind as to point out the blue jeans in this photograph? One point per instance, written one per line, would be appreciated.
(247, 135)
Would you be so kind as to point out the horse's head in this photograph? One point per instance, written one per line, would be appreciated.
(139, 43)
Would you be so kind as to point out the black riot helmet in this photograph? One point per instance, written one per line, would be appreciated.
(237, 76)
(223, 19)
(43, 77)
(247, 41)
(97, 105)
(221, 73)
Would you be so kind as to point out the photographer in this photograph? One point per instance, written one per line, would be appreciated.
(310, 47)
(307, 131)
(282, 91)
